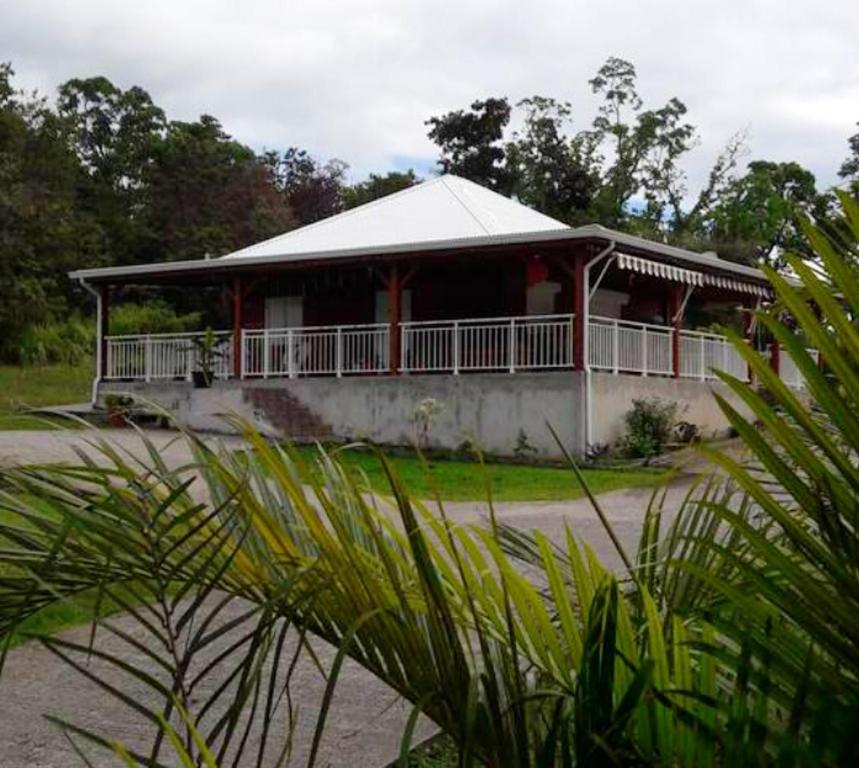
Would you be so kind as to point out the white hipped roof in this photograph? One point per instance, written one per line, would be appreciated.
(445, 213)
(445, 208)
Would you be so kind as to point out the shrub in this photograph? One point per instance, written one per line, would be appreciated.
(648, 427)
(151, 317)
(70, 342)
(523, 450)
(424, 416)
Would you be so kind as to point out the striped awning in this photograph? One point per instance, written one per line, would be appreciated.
(687, 276)
(740, 286)
(657, 269)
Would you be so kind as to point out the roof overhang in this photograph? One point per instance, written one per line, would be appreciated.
(221, 268)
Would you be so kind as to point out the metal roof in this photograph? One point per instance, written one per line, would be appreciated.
(442, 209)
(444, 214)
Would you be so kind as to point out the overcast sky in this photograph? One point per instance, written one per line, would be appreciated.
(357, 79)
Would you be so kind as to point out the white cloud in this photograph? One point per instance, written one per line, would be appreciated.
(356, 79)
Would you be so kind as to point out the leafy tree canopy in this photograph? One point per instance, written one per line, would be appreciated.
(623, 169)
(850, 167)
(471, 142)
(378, 186)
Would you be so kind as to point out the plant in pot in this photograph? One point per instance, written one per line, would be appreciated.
(208, 350)
(118, 407)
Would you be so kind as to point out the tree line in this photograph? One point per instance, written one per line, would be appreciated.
(100, 175)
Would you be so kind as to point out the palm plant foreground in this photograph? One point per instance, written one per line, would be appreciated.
(730, 638)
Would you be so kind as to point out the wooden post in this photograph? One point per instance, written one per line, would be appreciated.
(775, 357)
(237, 327)
(676, 321)
(394, 317)
(748, 334)
(103, 328)
(579, 304)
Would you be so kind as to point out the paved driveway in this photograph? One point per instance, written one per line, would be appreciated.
(366, 719)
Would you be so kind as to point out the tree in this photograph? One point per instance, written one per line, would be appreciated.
(645, 147)
(43, 230)
(312, 190)
(722, 176)
(753, 218)
(378, 186)
(593, 175)
(115, 134)
(210, 194)
(552, 172)
(850, 167)
(115, 130)
(471, 143)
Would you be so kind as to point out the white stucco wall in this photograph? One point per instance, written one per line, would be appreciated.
(613, 395)
(489, 409)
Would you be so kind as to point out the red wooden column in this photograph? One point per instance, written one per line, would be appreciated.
(748, 332)
(394, 318)
(237, 327)
(579, 304)
(674, 300)
(104, 327)
(775, 356)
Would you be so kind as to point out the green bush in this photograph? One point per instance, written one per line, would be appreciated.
(69, 342)
(648, 427)
(150, 317)
(72, 341)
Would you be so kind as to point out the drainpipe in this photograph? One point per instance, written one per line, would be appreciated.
(586, 338)
(98, 331)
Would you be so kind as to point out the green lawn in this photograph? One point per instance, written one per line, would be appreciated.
(466, 480)
(67, 613)
(23, 387)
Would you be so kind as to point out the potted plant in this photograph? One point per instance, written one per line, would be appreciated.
(118, 407)
(208, 350)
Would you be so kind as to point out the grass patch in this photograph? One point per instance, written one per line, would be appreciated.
(37, 386)
(66, 614)
(460, 480)
(71, 612)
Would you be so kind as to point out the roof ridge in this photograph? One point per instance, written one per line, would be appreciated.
(337, 216)
(462, 202)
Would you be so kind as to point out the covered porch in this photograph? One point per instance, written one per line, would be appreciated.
(525, 309)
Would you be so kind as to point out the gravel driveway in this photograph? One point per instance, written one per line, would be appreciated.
(366, 719)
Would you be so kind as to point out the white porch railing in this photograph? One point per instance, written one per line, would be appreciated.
(623, 346)
(789, 371)
(702, 354)
(487, 344)
(322, 350)
(491, 344)
(149, 357)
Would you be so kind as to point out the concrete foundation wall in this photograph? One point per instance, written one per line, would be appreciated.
(612, 397)
(488, 409)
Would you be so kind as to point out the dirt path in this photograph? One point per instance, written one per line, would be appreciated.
(366, 719)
